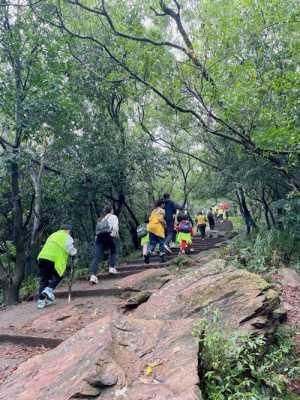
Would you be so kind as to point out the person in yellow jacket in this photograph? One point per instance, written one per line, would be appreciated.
(201, 222)
(157, 231)
(52, 262)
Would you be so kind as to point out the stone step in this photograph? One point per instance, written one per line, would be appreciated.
(92, 292)
(30, 341)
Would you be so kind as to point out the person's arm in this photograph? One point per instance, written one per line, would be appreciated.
(69, 246)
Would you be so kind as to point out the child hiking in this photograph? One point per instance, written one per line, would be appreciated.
(143, 235)
(52, 262)
(184, 235)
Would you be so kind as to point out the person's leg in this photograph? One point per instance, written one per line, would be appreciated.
(145, 249)
(161, 242)
(55, 279)
(112, 256)
(98, 257)
(152, 242)
(202, 232)
(45, 276)
(170, 228)
(49, 280)
(183, 246)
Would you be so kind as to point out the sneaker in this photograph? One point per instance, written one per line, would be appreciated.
(48, 294)
(112, 270)
(41, 303)
(93, 279)
(192, 250)
(147, 259)
(49, 302)
(168, 249)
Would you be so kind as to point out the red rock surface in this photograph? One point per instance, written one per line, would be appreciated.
(144, 358)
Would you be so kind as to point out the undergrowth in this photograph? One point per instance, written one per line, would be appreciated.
(233, 367)
(264, 251)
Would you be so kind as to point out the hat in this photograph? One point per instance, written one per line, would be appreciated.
(66, 227)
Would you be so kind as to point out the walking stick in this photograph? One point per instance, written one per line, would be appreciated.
(71, 276)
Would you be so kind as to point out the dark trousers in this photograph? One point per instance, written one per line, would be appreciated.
(211, 224)
(170, 232)
(104, 242)
(201, 229)
(48, 276)
(153, 241)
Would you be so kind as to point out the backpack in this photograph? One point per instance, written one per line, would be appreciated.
(184, 227)
(142, 231)
(103, 226)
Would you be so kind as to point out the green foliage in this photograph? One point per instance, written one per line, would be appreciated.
(29, 287)
(234, 367)
(265, 250)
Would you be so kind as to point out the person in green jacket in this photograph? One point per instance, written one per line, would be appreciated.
(52, 262)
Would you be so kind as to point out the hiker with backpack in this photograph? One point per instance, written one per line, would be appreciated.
(184, 233)
(156, 228)
(107, 233)
(52, 263)
(201, 221)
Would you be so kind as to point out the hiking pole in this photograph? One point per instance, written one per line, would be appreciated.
(71, 276)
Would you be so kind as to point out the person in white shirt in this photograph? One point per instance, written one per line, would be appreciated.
(107, 232)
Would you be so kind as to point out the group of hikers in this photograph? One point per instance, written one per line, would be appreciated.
(169, 225)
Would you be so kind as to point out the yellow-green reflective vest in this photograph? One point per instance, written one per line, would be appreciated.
(54, 250)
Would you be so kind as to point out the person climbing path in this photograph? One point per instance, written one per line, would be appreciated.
(107, 233)
(170, 212)
(185, 232)
(201, 221)
(157, 228)
(52, 262)
(211, 219)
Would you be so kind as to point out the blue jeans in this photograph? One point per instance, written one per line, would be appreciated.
(153, 241)
(104, 242)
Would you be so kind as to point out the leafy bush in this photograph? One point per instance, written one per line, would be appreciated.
(233, 367)
(29, 287)
(264, 251)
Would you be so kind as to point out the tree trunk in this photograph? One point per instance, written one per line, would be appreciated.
(266, 209)
(19, 233)
(11, 294)
(249, 221)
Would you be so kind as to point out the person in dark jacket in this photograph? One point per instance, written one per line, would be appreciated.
(170, 212)
(211, 219)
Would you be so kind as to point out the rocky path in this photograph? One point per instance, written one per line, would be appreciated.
(26, 331)
(130, 336)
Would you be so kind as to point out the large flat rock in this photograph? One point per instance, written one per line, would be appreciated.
(244, 300)
(121, 358)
